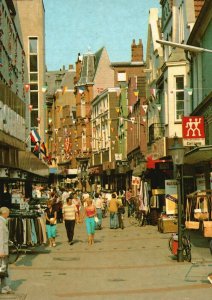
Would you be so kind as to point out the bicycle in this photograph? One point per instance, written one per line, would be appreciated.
(186, 245)
(13, 253)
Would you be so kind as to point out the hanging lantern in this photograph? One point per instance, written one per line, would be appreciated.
(117, 109)
(27, 87)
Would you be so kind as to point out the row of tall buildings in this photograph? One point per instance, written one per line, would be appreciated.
(22, 103)
(108, 118)
(105, 123)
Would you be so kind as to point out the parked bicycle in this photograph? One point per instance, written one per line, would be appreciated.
(186, 245)
(13, 252)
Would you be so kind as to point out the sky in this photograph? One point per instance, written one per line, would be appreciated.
(75, 26)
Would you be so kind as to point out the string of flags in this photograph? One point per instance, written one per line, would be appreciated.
(39, 147)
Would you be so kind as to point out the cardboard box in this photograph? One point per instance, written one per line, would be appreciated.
(167, 225)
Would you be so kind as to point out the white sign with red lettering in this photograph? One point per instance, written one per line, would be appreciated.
(193, 131)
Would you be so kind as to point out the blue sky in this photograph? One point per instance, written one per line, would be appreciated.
(73, 26)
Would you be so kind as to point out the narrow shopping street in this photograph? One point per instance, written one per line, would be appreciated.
(133, 263)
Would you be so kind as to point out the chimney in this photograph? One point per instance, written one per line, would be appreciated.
(78, 68)
(137, 51)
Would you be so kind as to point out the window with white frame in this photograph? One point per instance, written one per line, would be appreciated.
(122, 76)
(179, 97)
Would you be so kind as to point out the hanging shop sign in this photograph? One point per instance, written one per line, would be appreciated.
(200, 182)
(193, 131)
(171, 197)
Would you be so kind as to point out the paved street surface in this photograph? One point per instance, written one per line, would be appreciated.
(133, 263)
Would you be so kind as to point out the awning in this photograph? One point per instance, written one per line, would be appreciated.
(199, 154)
(138, 170)
(30, 163)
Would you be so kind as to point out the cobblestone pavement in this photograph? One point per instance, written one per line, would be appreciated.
(133, 263)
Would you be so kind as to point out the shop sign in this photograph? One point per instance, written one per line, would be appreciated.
(200, 182)
(193, 131)
(171, 197)
(136, 180)
(95, 170)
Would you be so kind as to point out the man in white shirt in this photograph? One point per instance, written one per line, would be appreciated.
(70, 215)
(98, 202)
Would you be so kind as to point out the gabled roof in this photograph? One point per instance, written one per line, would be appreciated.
(90, 65)
(68, 79)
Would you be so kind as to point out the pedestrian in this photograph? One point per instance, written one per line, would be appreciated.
(51, 220)
(76, 200)
(121, 212)
(99, 207)
(89, 214)
(4, 250)
(70, 216)
(113, 209)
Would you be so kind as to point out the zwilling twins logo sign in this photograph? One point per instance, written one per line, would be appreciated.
(193, 131)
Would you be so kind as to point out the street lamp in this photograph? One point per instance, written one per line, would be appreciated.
(177, 152)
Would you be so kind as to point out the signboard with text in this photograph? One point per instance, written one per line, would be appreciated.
(193, 131)
(171, 197)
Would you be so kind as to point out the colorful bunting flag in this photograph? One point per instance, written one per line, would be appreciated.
(43, 148)
(34, 136)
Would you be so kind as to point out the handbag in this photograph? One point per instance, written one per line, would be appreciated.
(199, 214)
(96, 219)
(3, 267)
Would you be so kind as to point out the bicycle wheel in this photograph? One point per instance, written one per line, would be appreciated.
(13, 253)
(186, 248)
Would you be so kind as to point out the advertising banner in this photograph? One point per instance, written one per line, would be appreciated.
(171, 197)
(200, 182)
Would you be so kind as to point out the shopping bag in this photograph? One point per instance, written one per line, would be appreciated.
(3, 267)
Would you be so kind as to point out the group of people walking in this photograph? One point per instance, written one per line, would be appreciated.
(76, 210)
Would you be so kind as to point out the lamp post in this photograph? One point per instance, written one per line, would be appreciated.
(177, 152)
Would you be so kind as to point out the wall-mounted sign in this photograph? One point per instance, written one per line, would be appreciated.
(171, 197)
(200, 182)
(193, 131)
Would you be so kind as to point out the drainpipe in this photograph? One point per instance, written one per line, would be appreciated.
(190, 59)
